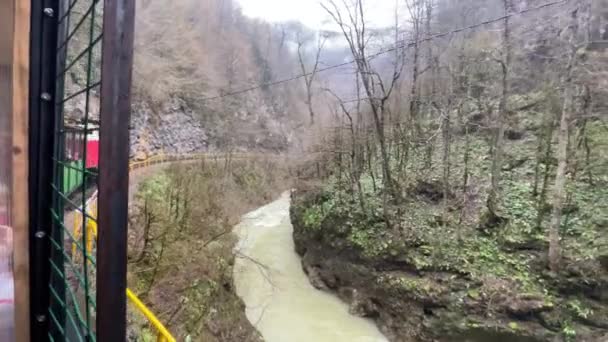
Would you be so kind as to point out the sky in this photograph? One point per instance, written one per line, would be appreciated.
(379, 12)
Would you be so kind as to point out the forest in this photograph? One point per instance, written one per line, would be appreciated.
(463, 190)
(449, 168)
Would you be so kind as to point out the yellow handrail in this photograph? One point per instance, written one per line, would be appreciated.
(163, 334)
(91, 228)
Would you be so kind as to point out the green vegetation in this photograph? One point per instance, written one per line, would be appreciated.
(447, 256)
(181, 245)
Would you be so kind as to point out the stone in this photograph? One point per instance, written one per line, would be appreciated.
(524, 305)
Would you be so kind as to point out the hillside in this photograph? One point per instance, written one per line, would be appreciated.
(469, 203)
(189, 59)
(189, 55)
(454, 185)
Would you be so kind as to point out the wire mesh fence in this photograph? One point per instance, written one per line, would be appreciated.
(72, 286)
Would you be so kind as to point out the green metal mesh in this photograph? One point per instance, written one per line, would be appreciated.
(73, 253)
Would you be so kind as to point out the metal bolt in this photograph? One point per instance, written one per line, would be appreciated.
(40, 234)
(40, 318)
(49, 12)
(46, 96)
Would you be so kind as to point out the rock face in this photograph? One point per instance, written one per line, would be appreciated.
(333, 270)
(172, 129)
(176, 127)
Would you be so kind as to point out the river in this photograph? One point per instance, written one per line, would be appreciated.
(281, 303)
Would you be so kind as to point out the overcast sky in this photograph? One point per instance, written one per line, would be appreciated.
(378, 12)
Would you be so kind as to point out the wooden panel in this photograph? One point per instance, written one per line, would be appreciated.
(20, 167)
(7, 318)
(6, 8)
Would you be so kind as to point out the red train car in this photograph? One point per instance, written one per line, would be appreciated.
(92, 161)
(74, 147)
(75, 159)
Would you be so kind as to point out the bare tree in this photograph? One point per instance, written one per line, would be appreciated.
(497, 158)
(355, 172)
(149, 220)
(416, 10)
(351, 20)
(309, 76)
(432, 65)
(562, 146)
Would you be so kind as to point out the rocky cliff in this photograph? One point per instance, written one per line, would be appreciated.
(175, 130)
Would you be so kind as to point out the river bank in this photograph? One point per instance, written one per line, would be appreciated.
(280, 301)
(417, 288)
(181, 246)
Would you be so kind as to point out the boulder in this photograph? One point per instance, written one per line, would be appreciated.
(526, 305)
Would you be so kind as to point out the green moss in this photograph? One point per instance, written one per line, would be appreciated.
(474, 294)
(418, 288)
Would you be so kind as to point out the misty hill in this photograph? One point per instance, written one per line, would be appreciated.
(191, 54)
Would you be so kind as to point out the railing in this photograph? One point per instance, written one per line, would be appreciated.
(165, 158)
(168, 158)
(162, 333)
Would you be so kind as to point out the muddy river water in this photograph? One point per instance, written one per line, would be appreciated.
(280, 301)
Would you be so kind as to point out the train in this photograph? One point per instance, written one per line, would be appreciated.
(74, 166)
(76, 161)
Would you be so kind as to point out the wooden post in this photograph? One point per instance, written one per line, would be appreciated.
(6, 231)
(116, 64)
(14, 89)
(20, 203)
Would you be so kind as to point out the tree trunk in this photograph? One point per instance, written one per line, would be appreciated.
(446, 162)
(465, 176)
(582, 137)
(562, 151)
(370, 166)
(539, 158)
(414, 97)
(560, 180)
(546, 157)
(386, 169)
(501, 117)
(428, 157)
(355, 169)
(148, 220)
(378, 112)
